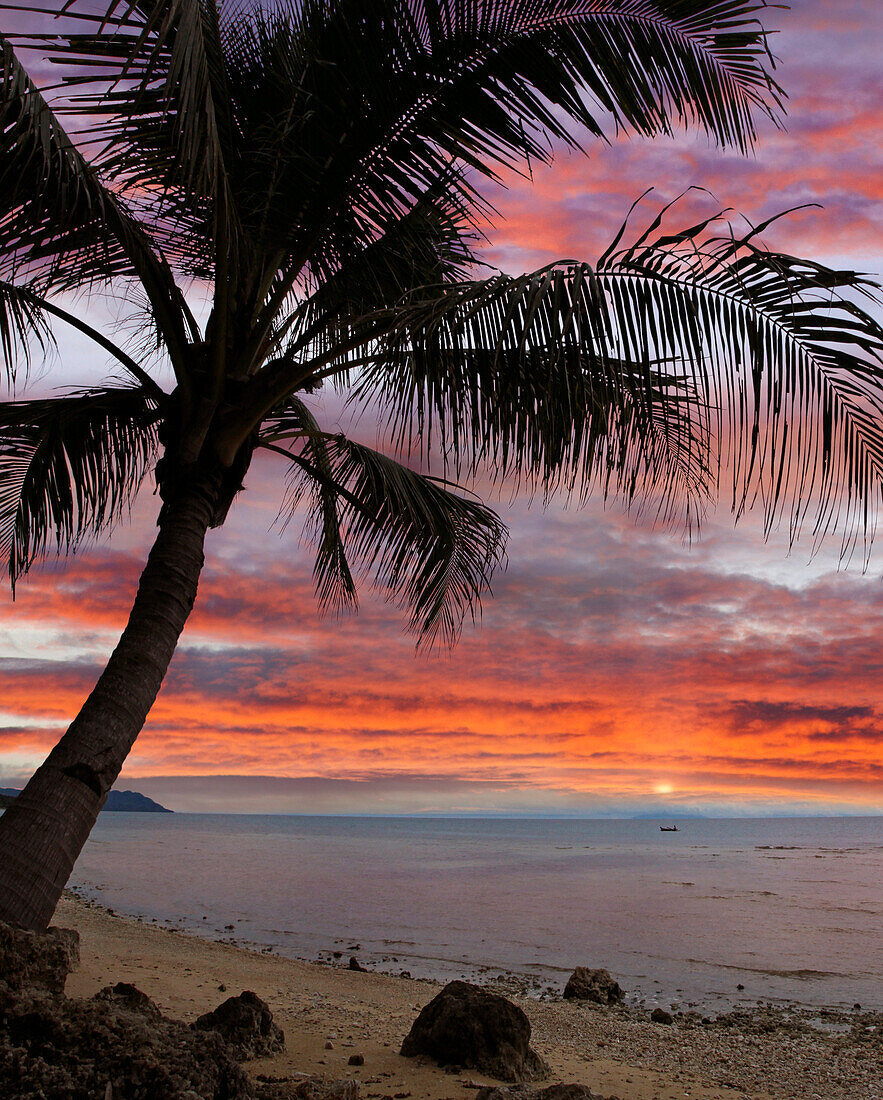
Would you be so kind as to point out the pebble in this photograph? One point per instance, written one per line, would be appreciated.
(765, 1051)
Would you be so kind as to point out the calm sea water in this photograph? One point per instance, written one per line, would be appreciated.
(792, 909)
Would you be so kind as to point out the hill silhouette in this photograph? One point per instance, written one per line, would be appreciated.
(118, 801)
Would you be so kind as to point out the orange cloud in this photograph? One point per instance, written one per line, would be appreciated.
(611, 661)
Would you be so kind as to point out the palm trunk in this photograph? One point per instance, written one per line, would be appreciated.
(42, 833)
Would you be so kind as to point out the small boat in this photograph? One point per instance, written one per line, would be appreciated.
(668, 828)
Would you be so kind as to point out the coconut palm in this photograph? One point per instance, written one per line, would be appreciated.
(315, 167)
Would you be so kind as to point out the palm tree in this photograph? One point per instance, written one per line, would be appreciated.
(316, 165)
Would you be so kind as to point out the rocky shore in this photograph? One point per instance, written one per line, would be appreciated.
(347, 1026)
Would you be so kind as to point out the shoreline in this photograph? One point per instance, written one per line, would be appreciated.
(765, 1054)
(534, 982)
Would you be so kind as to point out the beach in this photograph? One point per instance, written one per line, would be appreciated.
(761, 1054)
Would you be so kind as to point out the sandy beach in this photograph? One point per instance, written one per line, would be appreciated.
(760, 1055)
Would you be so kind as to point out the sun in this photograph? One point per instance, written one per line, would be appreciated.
(663, 788)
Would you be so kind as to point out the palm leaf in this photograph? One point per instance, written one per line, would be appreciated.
(60, 226)
(22, 324)
(170, 125)
(300, 133)
(684, 356)
(350, 115)
(526, 378)
(151, 77)
(313, 476)
(54, 213)
(431, 243)
(69, 468)
(431, 549)
(791, 365)
(25, 320)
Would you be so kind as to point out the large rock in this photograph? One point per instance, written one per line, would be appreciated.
(246, 1023)
(592, 985)
(37, 960)
(51, 1046)
(467, 1026)
(553, 1092)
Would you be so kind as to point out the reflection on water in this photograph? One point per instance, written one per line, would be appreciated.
(788, 908)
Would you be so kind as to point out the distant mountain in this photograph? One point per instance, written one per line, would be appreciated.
(134, 802)
(120, 801)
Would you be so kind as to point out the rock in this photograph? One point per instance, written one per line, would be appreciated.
(246, 1024)
(52, 1046)
(593, 985)
(354, 964)
(128, 996)
(467, 1026)
(356, 1060)
(764, 1020)
(306, 1088)
(38, 960)
(553, 1092)
(329, 1045)
(660, 1016)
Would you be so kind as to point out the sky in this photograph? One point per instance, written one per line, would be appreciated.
(617, 668)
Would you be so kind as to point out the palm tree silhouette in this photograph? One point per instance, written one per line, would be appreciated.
(317, 165)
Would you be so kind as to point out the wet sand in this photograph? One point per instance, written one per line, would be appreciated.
(616, 1052)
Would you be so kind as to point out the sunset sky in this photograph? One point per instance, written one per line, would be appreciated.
(617, 668)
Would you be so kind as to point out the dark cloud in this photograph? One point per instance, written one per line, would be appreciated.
(872, 734)
(747, 714)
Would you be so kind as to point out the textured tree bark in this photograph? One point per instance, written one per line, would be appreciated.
(42, 833)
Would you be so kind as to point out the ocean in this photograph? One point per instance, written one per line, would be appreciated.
(719, 914)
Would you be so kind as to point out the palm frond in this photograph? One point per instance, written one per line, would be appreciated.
(526, 378)
(430, 549)
(151, 78)
(69, 468)
(375, 103)
(386, 97)
(22, 324)
(313, 476)
(432, 243)
(25, 320)
(684, 356)
(791, 365)
(61, 228)
(302, 131)
(54, 213)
